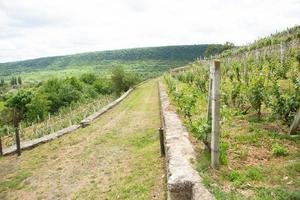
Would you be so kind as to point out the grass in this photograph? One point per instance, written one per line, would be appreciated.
(15, 182)
(117, 157)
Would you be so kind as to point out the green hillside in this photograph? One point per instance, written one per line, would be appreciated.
(151, 60)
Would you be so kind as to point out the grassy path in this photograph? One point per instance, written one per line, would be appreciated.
(117, 157)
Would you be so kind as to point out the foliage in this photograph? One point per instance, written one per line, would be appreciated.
(186, 99)
(257, 93)
(103, 86)
(168, 56)
(88, 78)
(214, 49)
(37, 108)
(18, 105)
(279, 150)
(122, 81)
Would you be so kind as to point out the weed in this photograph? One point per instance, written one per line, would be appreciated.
(279, 150)
(254, 173)
(223, 155)
(295, 167)
(277, 194)
(14, 182)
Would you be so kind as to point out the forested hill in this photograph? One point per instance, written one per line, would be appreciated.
(179, 53)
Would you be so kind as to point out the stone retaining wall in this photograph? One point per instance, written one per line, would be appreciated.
(183, 182)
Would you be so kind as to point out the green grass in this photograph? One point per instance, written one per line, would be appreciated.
(15, 182)
(279, 150)
(116, 157)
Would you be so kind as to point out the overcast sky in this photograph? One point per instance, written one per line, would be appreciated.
(38, 28)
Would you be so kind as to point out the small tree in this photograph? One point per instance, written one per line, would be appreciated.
(19, 80)
(13, 81)
(39, 106)
(122, 81)
(2, 82)
(17, 107)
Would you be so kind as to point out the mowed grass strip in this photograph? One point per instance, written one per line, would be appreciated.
(117, 157)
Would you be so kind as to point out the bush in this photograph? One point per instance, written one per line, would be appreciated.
(88, 78)
(37, 108)
(103, 86)
(122, 81)
(257, 93)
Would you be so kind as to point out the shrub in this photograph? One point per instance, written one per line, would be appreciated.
(88, 78)
(103, 86)
(257, 93)
(122, 81)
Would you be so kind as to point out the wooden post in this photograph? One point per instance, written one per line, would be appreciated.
(209, 98)
(18, 141)
(246, 70)
(295, 123)
(162, 142)
(215, 152)
(209, 93)
(281, 54)
(1, 150)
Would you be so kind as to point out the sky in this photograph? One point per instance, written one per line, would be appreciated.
(39, 28)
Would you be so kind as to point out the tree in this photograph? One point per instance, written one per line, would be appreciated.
(2, 82)
(19, 80)
(60, 93)
(122, 81)
(213, 49)
(228, 45)
(13, 81)
(38, 106)
(88, 78)
(17, 107)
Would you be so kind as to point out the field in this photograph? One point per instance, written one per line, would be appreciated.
(117, 157)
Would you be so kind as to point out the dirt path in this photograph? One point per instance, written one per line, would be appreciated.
(117, 157)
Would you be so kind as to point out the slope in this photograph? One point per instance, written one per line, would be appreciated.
(134, 59)
(117, 157)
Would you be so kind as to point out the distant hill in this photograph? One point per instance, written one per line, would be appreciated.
(178, 54)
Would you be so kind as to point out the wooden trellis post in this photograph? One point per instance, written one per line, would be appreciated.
(1, 150)
(246, 74)
(281, 54)
(209, 98)
(295, 123)
(215, 107)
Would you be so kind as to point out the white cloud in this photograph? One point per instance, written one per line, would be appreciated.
(35, 28)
